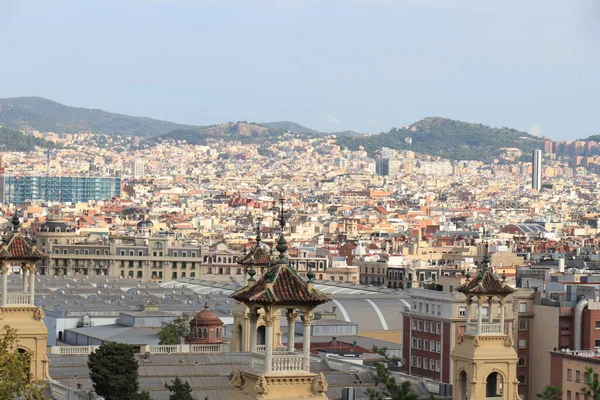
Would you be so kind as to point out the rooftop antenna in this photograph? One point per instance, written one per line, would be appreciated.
(281, 213)
(258, 225)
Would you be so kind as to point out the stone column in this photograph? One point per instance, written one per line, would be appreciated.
(4, 270)
(490, 310)
(468, 313)
(291, 320)
(479, 314)
(502, 315)
(25, 272)
(252, 336)
(268, 341)
(32, 284)
(306, 321)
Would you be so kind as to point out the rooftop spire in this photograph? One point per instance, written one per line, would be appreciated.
(486, 257)
(15, 221)
(281, 213)
(258, 225)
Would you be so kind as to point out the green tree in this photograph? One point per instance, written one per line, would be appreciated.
(592, 386)
(173, 331)
(15, 378)
(551, 393)
(390, 389)
(114, 371)
(179, 389)
(383, 351)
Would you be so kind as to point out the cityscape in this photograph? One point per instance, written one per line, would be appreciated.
(370, 254)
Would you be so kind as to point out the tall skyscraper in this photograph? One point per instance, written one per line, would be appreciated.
(139, 169)
(536, 172)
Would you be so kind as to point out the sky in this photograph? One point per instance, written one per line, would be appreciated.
(331, 65)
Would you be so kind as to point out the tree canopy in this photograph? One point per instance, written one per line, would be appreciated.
(180, 390)
(11, 140)
(389, 388)
(114, 371)
(15, 377)
(173, 331)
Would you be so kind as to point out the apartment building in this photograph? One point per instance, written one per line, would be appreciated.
(436, 318)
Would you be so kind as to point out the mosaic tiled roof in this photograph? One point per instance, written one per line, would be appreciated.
(16, 248)
(280, 286)
(485, 283)
(257, 256)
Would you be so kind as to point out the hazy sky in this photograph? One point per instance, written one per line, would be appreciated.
(327, 64)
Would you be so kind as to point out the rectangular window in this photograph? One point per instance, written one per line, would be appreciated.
(522, 343)
(431, 345)
(64, 251)
(522, 307)
(438, 347)
(438, 328)
(597, 343)
(437, 366)
(414, 343)
(522, 380)
(439, 309)
(122, 252)
(419, 325)
(193, 254)
(426, 327)
(97, 252)
(414, 361)
(569, 374)
(140, 253)
(418, 362)
(76, 251)
(426, 308)
(522, 361)
(484, 311)
(432, 328)
(425, 344)
(522, 325)
(597, 324)
(130, 253)
(184, 254)
(425, 363)
(175, 254)
(86, 252)
(577, 376)
(568, 395)
(419, 344)
(431, 364)
(414, 322)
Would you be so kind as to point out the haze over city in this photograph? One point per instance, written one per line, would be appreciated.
(365, 65)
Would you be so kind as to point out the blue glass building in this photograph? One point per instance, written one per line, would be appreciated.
(63, 189)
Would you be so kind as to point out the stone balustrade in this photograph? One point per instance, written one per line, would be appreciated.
(152, 349)
(17, 299)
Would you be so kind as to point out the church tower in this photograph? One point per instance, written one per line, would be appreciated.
(18, 309)
(276, 372)
(484, 360)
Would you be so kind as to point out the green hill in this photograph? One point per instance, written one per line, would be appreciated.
(11, 140)
(36, 113)
(240, 131)
(455, 140)
(291, 127)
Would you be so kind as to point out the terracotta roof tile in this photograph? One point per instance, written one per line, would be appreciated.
(17, 248)
(485, 283)
(284, 288)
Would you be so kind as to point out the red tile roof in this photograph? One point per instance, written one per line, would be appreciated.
(485, 283)
(282, 286)
(18, 249)
(257, 256)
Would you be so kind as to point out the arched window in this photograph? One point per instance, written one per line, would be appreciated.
(204, 333)
(218, 333)
(218, 259)
(158, 246)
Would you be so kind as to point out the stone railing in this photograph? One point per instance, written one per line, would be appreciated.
(183, 348)
(486, 328)
(288, 362)
(157, 349)
(62, 392)
(73, 350)
(261, 348)
(17, 299)
(257, 361)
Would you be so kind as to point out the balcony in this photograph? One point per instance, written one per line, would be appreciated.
(280, 362)
(486, 328)
(17, 299)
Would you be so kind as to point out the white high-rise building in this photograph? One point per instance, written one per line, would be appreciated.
(139, 169)
(536, 172)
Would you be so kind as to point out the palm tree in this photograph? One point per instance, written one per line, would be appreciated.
(592, 386)
(551, 393)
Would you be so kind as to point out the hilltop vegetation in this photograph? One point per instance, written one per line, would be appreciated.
(11, 140)
(240, 131)
(36, 113)
(455, 140)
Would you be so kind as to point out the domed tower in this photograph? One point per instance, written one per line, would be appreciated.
(18, 309)
(484, 359)
(257, 258)
(145, 227)
(206, 328)
(276, 373)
